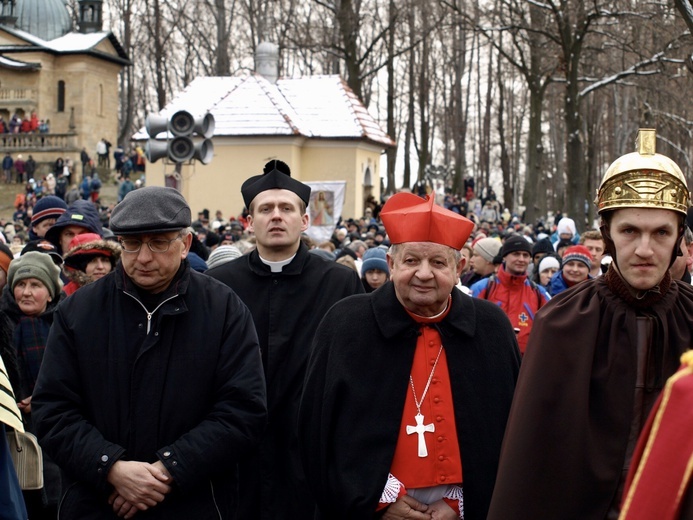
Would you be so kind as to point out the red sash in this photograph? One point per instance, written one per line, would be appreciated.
(660, 471)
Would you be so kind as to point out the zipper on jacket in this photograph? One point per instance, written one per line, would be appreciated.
(62, 499)
(214, 499)
(150, 314)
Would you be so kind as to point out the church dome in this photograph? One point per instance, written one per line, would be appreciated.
(47, 19)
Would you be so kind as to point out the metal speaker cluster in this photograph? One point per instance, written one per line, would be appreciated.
(187, 138)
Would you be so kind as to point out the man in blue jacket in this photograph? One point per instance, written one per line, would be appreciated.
(152, 385)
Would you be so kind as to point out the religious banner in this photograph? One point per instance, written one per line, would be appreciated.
(325, 208)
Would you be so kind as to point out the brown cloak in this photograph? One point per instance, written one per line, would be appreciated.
(566, 440)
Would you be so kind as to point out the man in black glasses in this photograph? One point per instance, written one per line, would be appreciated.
(154, 384)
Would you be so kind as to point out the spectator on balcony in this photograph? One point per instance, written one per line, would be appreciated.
(20, 168)
(34, 122)
(3, 125)
(44, 126)
(30, 168)
(15, 124)
(7, 164)
(25, 126)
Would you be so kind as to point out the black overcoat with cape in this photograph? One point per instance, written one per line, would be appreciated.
(286, 308)
(568, 431)
(358, 379)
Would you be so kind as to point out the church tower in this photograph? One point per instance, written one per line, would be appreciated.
(7, 16)
(90, 16)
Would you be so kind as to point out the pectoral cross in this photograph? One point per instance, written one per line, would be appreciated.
(419, 429)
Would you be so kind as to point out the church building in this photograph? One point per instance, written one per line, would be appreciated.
(66, 76)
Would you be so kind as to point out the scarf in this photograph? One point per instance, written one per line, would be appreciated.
(30, 337)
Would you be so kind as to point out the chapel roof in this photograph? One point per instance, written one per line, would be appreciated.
(47, 19)
(318, 107)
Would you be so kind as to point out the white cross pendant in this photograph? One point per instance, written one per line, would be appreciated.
(419, 429)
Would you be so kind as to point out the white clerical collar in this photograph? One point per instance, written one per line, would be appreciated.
(447, 304)
(276, 267)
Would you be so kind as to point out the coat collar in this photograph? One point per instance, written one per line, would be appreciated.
(393, 320)
(179, 285)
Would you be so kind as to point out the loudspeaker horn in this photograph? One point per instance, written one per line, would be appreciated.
(155, 124)
(204, 125)
(181, 123)
(155, 150)
(204, 151)
(181, 149)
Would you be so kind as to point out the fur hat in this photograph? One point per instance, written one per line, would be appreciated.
(487, 248)
(579, 254)
(35, 265)
(375, 258)
(82, 250)
(515, 243)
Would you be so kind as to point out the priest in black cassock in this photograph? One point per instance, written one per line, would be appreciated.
(409, 388)
(288, 290)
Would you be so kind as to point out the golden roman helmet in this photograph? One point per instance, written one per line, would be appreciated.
(643, 179)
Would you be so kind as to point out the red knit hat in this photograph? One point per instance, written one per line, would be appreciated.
(579, 254)
(409, 218)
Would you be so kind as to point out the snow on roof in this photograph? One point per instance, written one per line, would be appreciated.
(16, 64)
(314, 107)
(75, 41)
(70, 42)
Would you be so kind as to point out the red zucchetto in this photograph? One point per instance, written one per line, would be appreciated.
(409, 218)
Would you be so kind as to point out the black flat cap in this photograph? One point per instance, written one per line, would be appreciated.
(153, 209)
(276, 176)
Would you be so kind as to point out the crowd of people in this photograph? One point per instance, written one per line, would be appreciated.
(428, 362)
(24, 124)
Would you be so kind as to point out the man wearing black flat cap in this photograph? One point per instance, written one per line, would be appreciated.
(288, 291)
(154, 385)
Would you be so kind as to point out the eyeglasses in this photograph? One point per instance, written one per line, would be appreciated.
(158, 245)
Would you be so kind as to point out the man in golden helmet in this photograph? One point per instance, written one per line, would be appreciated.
(600, 353)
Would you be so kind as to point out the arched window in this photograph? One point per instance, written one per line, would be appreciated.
(61, 96)
(367, 177)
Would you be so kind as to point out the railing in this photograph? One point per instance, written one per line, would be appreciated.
(21, 142)
(12, 95)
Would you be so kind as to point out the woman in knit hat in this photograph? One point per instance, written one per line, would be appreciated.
(548, 266)
(575, 268)
(33, 293)
(374, 269)
(89, 258)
